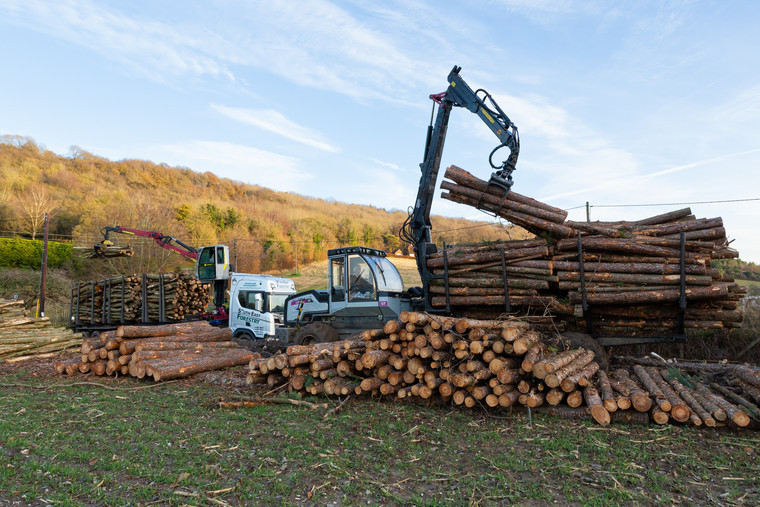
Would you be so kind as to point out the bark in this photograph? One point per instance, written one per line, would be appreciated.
(555, 378)
(581, 378)
(679, 411)
(126, 332)
(222, 359)
(462, 177)
(653, 388)
(594, 402)
(605, 387)
(639, 398)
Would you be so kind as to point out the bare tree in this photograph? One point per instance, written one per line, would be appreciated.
(35, 202)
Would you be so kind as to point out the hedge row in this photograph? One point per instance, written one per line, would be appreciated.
(26, 253)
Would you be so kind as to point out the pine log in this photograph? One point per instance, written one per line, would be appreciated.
(126, 332)
(686, 394)
(679, 411)
(653, 388)
(747, 374)
(640, 399)
(579, 378)
(608, 397)
(224, 358)
(552, 363)
(594, 402)
(555, 378)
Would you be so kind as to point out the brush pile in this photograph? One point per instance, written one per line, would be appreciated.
(490, 364)
(131, 299)
(158, 352)
(23, 337)
(621, 278)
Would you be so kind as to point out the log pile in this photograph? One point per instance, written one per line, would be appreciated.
(490, 364)
(106, 251)
(631, 269)
(120, 299)
(158, 352)
(23, 337)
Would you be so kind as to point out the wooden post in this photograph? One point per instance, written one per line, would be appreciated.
(43, 267)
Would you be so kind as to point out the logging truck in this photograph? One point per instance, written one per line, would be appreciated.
(256, 306)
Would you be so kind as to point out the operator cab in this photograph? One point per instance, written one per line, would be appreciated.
(213, 263)
(360, 274)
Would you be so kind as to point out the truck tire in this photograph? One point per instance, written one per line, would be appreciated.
(316, 332)
(243, 335)
(586, 341)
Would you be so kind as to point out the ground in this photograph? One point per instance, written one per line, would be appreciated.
(87, 441)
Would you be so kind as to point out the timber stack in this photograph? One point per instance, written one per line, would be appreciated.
(23, 337)
(618, 278)
(495, 364)
(148, 298)
(158, 352)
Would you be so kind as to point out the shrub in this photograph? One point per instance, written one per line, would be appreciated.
(25, 253)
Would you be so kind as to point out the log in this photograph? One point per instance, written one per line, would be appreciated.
(580, 378)
(224, 358)
(552, 363)
(596, 407)
(679, 411)
(639, 398)
(653, 388)
(126, 332)
(555, 378)
(605, 387)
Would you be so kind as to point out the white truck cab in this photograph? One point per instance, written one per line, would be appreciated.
(257, 305)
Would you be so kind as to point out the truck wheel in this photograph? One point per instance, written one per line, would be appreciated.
(583, 340)
(316, 332)
(243, 335)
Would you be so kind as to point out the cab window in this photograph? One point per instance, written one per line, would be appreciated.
(252, 300)
(361, 283)
(206, 267)
(338, 279)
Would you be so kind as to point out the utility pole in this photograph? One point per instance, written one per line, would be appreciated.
(588, 212)
(44, 269)
(234, 252)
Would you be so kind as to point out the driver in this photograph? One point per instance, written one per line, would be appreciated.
(360, 285)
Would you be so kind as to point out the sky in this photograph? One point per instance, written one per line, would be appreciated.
(617, 103)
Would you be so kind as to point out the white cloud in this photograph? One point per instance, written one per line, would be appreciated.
(153, 48)
(389, 165)
(276, 122)
(239, 162)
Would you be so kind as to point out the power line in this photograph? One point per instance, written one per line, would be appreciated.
(668, 203)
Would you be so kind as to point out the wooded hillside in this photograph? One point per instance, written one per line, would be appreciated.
(84, 193)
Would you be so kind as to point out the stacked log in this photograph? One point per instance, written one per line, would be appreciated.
(158, 352)
(119, 299)
(489, 364)
(631, 269)
(23, 337)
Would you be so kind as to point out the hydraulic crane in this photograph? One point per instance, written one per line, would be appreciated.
(416, 229)
(211, 262)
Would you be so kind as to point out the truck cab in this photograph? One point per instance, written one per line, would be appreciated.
(365, 290)
(257, 305)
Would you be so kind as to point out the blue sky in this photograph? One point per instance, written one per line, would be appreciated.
(616, 102)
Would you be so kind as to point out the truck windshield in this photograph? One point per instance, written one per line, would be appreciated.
(386, 274)
(277, 302)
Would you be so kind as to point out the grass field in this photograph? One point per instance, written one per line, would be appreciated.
(128, 442)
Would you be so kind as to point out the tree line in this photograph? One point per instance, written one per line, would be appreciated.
(82, 193)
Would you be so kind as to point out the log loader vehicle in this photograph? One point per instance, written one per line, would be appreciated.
(256, 303)
(342, 310)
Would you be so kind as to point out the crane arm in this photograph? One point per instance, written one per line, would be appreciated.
(416, 229)
(162, 240)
